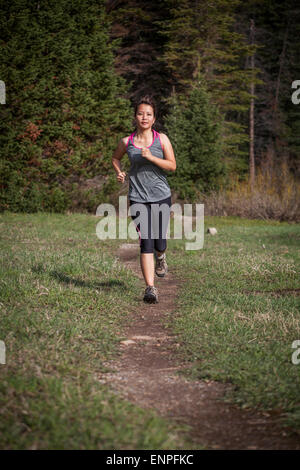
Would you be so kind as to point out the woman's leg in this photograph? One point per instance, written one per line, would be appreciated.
(147, 266)
(160, 244)
(146, 249)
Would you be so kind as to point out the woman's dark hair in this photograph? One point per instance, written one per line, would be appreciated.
(147, 99)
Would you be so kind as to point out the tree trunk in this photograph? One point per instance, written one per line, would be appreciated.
(281, 62)
(251, 123)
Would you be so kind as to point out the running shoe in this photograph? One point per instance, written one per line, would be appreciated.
(151, 295)
(161, 267)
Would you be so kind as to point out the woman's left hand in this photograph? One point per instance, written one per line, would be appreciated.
(146, 153)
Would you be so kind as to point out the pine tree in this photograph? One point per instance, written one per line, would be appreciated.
(136, 23)
(202, 37)
(277, 120)
(65, 105)
(195, 127)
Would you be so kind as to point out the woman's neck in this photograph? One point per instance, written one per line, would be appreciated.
(143, 134)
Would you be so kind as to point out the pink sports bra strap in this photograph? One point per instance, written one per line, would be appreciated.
(130, 138)
(155, 133)
(158, 136)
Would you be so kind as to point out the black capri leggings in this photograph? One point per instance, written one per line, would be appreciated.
(159, 225)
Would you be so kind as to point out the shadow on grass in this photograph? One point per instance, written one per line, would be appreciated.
(61, 277)
(65, 279)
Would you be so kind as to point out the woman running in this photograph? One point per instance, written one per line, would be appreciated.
(150, 154)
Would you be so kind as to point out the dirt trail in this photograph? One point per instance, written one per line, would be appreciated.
(146, 374)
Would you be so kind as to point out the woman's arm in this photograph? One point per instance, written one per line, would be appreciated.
(117, 155)
(169, 162)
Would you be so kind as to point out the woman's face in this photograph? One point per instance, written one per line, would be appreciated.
(144, 116)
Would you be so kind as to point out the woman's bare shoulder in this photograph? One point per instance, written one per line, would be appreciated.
(164, 138)
(125, 140)
(122, 144)
(163, 135)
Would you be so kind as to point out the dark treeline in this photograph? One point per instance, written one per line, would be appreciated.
(73, 70)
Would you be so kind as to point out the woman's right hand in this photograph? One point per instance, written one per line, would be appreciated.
(121, 176)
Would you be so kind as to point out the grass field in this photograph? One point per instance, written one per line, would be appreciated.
(239, 311)
(64, 299)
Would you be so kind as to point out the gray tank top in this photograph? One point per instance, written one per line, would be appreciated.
(147, 181)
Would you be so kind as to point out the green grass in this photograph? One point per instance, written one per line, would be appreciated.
(236, 319)
(64, 300)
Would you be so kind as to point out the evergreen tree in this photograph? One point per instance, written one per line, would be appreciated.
(202, 37)
(276, 56)
(136, 23)
(277, 119)
(65, 107)
(195, 127)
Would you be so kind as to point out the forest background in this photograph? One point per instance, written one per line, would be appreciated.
(222, 73)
